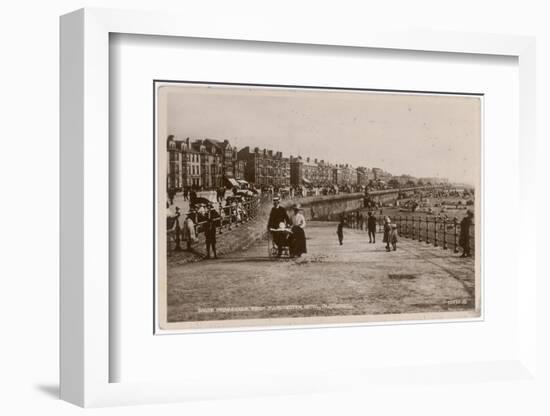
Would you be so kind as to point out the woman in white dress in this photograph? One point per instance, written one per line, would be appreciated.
(298, 236)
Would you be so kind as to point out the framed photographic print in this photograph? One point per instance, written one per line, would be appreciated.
(273, 214)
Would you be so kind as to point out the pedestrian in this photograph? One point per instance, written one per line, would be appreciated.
(192, 196)
(387, 231)
(171, 194)
(298, 236)
(241, 213)
(393, 236)
(371, 227)
(278, 216)
(173, 228)
(464, 240)
(340, 231)
(210, 233)
(185, 194)
(188, 232)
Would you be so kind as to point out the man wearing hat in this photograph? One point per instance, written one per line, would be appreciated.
(464, 239)
(277, 216)
(210, 231)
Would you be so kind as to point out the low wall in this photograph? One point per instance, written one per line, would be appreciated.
(328, 208)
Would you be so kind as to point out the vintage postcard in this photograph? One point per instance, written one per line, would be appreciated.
(285, 205)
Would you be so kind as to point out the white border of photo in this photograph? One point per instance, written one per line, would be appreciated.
(109, 352)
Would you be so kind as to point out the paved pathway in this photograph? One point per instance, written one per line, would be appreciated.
(354, 279)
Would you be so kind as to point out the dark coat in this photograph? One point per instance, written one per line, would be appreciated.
(211, 226)
(276, 216)
(210, 231)
(464, 239)
(371, 223)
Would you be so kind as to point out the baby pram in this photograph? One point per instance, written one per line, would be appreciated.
(272, 249)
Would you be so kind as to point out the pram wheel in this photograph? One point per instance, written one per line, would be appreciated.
(273, 250)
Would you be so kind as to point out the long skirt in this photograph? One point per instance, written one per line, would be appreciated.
(298, 241)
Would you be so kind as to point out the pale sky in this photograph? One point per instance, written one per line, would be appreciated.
(421, 135)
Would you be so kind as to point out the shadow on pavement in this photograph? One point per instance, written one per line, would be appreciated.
(51, 390)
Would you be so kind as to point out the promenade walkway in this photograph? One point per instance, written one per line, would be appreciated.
(358, 278)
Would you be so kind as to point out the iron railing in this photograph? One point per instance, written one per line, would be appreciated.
(438, 231)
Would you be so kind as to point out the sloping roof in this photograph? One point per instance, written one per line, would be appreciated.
(219, 144)
(216, 143)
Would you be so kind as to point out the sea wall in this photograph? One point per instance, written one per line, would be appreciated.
(328, 208)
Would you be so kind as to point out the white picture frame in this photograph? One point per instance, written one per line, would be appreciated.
(85, 164)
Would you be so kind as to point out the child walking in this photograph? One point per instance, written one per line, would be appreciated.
(393, 236)
(387, 233)
(340, 231)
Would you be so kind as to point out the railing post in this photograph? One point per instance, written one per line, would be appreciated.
(412, 229)
(435, 231)
(220, 208)
(399, 225)
(444, 234)
(455, 223)
(406, 226)
(427, 230)
(227, 218)
(229, 210)
(419, 229)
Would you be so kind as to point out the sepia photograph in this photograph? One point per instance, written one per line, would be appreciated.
(282, 206)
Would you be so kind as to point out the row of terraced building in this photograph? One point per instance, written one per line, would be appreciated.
(209, 163)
